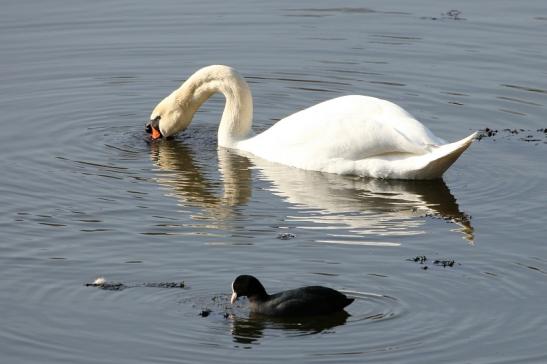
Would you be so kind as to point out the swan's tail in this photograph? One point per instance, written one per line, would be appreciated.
(443, 157)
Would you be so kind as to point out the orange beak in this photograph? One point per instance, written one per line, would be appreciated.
(155, 134)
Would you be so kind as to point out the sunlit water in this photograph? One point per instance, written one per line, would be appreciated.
(84, 194)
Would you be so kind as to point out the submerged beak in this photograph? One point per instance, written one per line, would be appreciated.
(234, 298)
(152, 128)
(156, 134)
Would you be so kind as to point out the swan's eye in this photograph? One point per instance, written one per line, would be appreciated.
(155, 123)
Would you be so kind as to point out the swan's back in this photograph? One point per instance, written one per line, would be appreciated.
(337, 135)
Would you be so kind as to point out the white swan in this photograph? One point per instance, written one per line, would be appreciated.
(357, 135)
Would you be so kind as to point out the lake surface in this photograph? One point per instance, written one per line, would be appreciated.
(85, 194)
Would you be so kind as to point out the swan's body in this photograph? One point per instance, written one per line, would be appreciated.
(357, 135)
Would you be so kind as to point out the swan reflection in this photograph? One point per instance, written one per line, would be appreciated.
(195, 183)
(358, 206)
(367, 206)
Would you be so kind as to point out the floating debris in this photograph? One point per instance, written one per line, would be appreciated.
(531, 135)
(486, 132)
(422, 259)
(286, 236)
(102, 283)
(109, 286)
(444, 263)
(99, 281)
(449, 15)
(453, 14)
(419, 259)
(205, 313)
(166, 285)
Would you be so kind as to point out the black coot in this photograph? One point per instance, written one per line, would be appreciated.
(305, 301)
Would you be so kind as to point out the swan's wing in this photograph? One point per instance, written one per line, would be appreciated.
(407, 166)
(348, 128)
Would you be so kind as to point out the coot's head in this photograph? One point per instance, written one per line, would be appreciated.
(248, 286)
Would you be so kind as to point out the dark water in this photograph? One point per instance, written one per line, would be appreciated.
(84, 195)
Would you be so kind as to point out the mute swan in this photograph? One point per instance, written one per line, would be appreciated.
(357, 135)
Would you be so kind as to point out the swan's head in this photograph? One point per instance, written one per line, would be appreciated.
(168, 118)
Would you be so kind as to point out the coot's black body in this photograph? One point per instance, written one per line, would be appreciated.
(305, 301)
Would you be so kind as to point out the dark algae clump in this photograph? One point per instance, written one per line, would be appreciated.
(422, 259)
(449, 15)
(286, 236)
(205, 313)
(525, 135)
(444, 263)
(108, 286)
(419, 259)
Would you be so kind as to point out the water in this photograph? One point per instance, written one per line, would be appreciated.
(85, 195)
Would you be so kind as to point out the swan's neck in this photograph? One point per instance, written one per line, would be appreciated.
(237, 117)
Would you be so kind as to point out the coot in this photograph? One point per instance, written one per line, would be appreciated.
(305, 301)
